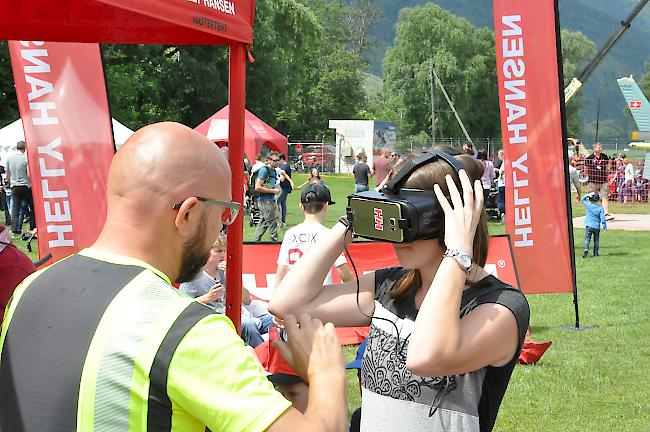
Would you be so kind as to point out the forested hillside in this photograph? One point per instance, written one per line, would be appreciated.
(597, 19)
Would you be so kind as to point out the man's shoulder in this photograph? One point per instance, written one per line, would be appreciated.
(265, 172)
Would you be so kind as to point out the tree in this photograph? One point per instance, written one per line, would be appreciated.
(349, 22)
(189, 83)
(8, 103)
(333, 89)
(300, 79)
(577, 49)
(464, 59)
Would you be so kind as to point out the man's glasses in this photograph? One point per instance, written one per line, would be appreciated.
(275, 160)
(228, 215)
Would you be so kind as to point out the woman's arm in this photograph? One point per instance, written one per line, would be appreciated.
(442, 343)
(301, 289)
(302, 185)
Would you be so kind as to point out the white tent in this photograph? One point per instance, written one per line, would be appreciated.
(12, 133)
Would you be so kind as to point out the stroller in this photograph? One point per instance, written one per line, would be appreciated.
(251, 202)
(491, 205)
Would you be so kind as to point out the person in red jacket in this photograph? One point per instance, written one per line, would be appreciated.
(14, 267)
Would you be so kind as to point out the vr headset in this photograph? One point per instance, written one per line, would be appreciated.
(400, 215)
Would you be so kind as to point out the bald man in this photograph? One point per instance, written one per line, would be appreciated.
(101, 340)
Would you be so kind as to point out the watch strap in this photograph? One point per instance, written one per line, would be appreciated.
(458, 256)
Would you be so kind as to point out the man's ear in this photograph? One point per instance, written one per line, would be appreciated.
(187, 214)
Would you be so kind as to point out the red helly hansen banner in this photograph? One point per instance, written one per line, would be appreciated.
(260, 263)
(63, 104)
(231, 19)
(531, 124)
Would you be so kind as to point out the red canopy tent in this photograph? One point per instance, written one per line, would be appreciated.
(256, 133)
(156, 22)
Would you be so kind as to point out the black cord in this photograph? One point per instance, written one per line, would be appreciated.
(442, 391)
(356, 276)
(437, 399)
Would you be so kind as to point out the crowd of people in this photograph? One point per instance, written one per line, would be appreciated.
(16, 193)
(614, 178)
(129, 349)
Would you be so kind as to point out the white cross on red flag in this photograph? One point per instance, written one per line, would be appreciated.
(636, 104)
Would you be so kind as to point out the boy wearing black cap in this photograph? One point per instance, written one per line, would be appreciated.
(314, 204)
(594, 217)
(281, 374)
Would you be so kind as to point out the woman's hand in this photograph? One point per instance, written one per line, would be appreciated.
(461, 215)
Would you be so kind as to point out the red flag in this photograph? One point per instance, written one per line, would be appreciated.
(537, 216)
(62, 99)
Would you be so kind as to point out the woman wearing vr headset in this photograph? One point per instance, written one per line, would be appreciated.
(444, 334)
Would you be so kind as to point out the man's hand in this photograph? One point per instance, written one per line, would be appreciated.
(312, 348)
(277, 191)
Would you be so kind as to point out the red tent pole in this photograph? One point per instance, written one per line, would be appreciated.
(237, 102)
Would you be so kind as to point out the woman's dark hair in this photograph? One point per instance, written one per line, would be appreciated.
(424, 178)
(482, 155)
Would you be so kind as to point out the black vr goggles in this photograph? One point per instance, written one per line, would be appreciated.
(400, 215)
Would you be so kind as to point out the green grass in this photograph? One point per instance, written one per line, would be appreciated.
(340, 185)
(594, 379)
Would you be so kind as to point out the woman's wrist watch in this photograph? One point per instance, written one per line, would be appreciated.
(463, 259)
(344, 220)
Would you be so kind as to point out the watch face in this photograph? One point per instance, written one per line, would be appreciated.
(465, 261)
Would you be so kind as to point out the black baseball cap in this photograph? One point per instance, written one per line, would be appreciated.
(316, 193)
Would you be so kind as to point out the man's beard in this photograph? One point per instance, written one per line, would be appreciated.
(194, 257)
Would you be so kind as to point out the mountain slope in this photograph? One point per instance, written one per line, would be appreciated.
(597, 19)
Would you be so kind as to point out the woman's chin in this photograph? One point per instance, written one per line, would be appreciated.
(416, 255)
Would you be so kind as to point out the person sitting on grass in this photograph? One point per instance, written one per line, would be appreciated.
(281, 374)
(209, 288)
(14, 267)
(594, 217)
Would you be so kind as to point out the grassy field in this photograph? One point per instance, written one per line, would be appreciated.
(594, 379)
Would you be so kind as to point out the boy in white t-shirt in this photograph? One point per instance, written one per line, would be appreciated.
(314, 203)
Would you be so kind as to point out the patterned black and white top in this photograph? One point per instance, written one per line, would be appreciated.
(394, 399)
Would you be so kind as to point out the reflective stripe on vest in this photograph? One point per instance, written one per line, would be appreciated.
(123, 385)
